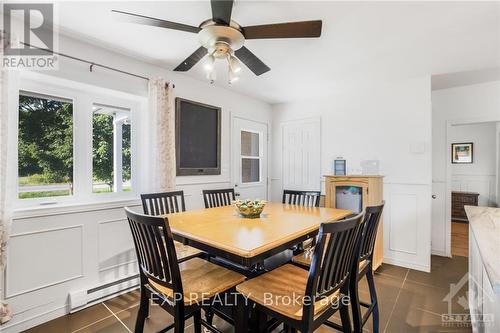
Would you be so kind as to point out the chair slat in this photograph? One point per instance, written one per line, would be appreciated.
(154, 243)
(162, 203)
(302, 198)
(218, 198)
(334, 256)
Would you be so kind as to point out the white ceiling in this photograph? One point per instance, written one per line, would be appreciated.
(362, 42)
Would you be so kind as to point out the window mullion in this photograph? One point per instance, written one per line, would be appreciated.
(82, 147)
(117, 154)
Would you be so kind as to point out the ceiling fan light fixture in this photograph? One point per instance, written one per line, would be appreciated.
(234, 64)
(212, 76)
(232, 76)
(210, 63)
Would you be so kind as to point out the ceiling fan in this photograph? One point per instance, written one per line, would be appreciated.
(222, 38)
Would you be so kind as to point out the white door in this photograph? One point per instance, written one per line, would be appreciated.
(249, 154)
(438, 223)
(301, 161)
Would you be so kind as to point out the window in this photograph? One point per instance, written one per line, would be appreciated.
(45, 146)
(111, 149)
(250, 157)
(76, 148)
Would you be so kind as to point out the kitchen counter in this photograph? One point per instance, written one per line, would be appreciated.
(484, 268)
(485, 225)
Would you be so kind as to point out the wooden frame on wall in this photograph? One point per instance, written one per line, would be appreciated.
(462, 153)
(199, 151)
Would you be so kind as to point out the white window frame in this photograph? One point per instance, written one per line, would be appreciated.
(260, 157)
(83, 97)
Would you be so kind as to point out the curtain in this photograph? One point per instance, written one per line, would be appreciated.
(162, 113)
(5, 189)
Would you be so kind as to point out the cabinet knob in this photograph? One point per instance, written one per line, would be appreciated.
(434, 196)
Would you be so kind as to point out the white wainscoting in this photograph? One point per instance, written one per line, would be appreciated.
(407, 225)
(482, 184)
(51, 255)
(53, 252)
(30, 256)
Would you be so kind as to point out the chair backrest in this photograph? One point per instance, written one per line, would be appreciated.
(155, 249)
(218, 198)
(303, 198)
(332, 259)
(163, 203)
(372, 219)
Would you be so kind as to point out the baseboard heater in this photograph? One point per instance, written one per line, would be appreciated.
(80, 299)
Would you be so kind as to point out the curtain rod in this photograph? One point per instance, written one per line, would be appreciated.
(91, 63)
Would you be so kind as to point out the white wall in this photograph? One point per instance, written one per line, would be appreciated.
(80, 247)
(391, 123)
(460, 105)
(474, 103)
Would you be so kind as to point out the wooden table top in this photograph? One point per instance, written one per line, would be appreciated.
(224, 229)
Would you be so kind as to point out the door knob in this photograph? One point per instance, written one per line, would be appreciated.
(434, 196)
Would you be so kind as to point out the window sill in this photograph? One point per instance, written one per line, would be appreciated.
(68, 208)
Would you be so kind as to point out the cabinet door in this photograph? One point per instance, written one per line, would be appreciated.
(475, 282)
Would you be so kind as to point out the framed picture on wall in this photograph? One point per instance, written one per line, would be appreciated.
(462, 153)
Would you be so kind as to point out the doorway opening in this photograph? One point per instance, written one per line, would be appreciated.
(472, 167)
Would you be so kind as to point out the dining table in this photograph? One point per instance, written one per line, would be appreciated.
(245, 243)
(222, 232)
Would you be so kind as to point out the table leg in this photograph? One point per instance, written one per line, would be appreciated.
(241, 320)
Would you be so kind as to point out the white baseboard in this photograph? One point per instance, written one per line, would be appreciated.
(16, 326)
(406, 264)
(440, 253)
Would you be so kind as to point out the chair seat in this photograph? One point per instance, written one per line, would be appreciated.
(185, 252)
(304, 259)
(201, 280)
(286, 284)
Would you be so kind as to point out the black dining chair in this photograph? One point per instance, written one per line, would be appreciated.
(303, 198)
(166, 203)
(364, 263)
(364, 267)
(180, 289)
(163, 203)
(219, 197)
(315, 294)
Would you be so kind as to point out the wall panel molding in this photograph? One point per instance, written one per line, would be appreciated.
(403, 223)
(20, 271)
(407, 223)
(115, 244)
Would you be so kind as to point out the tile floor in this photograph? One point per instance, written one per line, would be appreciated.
(410, 301)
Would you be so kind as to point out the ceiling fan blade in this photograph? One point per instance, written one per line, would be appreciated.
(251, 61)
(305, 29)
(191, 60)
(155, 22)
(221, 11)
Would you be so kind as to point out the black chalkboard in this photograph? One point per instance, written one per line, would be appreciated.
(197, 133)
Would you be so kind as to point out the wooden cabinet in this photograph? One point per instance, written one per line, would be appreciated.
(361, 191)
(458, 201)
